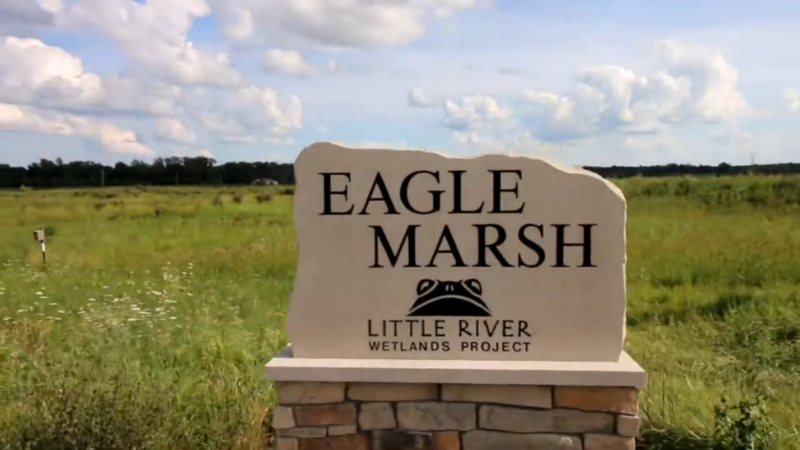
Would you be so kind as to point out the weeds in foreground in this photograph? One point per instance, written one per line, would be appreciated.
(123, 415)
(107, 340)
(745, 426)
(81, 415)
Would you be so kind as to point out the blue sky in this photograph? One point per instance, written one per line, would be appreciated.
(581, 82)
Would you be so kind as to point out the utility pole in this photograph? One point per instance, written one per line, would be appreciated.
(102, 176)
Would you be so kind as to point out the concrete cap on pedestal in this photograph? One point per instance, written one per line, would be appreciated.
(623, 373)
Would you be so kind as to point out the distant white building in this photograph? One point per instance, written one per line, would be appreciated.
(265, 182)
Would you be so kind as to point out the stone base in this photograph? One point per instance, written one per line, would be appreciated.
(336, 404)
(395, 416)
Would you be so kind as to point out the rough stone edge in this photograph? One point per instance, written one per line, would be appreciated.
(325, 146)
(628, 373)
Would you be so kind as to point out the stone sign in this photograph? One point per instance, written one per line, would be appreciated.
(414, 255)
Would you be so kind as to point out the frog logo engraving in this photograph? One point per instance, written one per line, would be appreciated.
(437, 298)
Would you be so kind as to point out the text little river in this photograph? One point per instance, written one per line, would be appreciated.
(439, 335)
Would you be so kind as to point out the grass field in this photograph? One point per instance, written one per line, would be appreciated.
(159, 307)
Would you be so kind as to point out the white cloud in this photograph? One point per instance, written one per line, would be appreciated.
(351, 23)
(481, 123)
(168, 78)
(792, 99)
(291, 62)
(515, 143)
(714, 81)
(238, 24)
(446, 8)
(247, 115)
(24, 17)
(51, 6)
(155, 36)
(174, 130)
(475, 139)
(418, 98)
(153, 97)
(192, 96)
(476, 112)
(34, 73)
(49, 78)
(112, 138)
(693, 83)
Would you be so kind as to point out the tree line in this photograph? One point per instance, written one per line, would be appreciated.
(201, 170)
(161, 172)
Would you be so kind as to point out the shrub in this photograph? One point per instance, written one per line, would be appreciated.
(745, 426)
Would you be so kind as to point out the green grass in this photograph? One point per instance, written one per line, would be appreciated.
(159, 307)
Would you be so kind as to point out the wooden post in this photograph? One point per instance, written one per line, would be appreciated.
(39, 236)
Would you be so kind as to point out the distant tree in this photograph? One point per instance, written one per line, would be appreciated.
(200, 170)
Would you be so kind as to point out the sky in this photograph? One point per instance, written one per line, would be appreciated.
(590, 82)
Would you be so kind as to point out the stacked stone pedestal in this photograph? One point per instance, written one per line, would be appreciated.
(412, 330)
(399, 416)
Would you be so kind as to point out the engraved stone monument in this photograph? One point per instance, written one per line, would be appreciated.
(447, 303)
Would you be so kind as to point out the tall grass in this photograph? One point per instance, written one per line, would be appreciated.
(150, 325)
